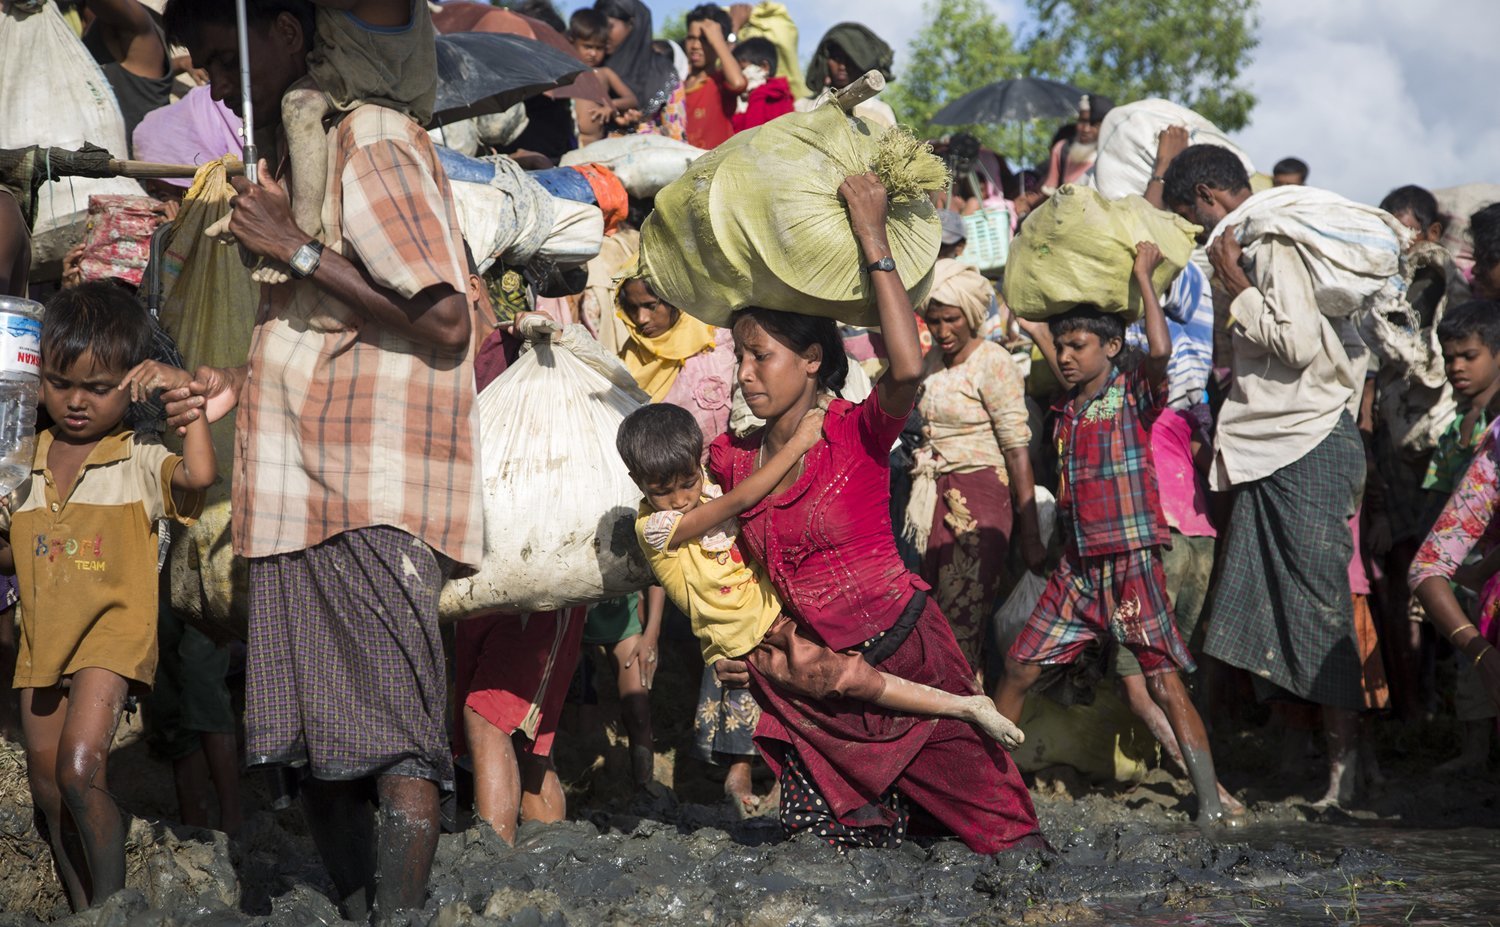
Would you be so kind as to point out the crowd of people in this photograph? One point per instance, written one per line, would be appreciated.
(1245, 506)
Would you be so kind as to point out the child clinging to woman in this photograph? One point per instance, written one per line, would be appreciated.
(588, 30)
(84, 542)
(1110, 582)
(687, 530)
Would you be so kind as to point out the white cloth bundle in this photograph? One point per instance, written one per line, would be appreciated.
(644, 163)
(1127, 144)
(1352, 251)
(559, 506)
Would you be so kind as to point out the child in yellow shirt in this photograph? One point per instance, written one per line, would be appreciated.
(687, 530)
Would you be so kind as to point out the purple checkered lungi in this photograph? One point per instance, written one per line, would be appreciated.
(346, 669)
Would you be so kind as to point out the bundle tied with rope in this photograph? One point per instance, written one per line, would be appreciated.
(759, 222)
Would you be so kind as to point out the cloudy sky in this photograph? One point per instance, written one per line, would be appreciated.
(1371, 93)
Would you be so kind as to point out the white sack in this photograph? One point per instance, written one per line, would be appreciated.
(1016, 610)
(1458, 204)
(576, 236)
(1352, 251)
(559, 506)
(53, 94)
(1127, 144)
(644, 163)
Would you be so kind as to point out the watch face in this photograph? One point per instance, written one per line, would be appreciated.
(305, 260)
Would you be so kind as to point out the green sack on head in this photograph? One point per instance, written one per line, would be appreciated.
(1079, 247)
(758, 221)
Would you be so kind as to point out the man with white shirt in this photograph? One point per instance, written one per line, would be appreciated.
(1287, 448)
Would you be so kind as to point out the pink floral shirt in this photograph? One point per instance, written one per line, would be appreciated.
(705, 386)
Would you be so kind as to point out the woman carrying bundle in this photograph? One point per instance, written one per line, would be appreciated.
(850, 772)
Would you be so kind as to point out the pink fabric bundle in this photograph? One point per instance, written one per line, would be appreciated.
(195, 130)
(119, 237)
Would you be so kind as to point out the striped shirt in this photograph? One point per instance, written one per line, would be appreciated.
(343, 423)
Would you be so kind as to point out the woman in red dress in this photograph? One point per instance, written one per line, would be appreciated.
(850, 772)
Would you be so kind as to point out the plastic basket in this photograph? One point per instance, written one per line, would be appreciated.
(987, 234)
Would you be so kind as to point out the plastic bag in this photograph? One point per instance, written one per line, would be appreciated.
(759, 222)
(1016, 610)
(1352, 251)
(119, 237)
(208, 307)
(559, 506)
(53, 94)
(1127, 144)
(1079, 247)
(644, 163)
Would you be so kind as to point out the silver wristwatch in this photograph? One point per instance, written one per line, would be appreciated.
(305, 260)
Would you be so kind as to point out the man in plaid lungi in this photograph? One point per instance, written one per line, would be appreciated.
(1287, 448)
(356, 492)
(1110, 584)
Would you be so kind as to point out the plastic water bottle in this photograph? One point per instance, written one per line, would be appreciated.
(20, 387)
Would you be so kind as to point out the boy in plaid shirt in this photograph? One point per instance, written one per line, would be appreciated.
(1110, 581)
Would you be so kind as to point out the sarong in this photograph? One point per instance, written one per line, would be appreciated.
(966, 554)
(514, 672)
(346, 673)
(1283, 610)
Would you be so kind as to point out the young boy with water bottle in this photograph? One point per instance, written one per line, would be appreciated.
(82, 526)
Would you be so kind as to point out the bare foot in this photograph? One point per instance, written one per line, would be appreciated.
(642, 764)
(1233, 807)
(738, 788)
(980, 711)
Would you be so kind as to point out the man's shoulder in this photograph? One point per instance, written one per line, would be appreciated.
(372, 123)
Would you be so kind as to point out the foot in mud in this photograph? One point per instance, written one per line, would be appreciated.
(739, 791)
(1233, 807)
(642, 765)
(980, 711)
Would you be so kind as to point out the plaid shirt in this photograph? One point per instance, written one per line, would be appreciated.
(1109, 497)
(344, 424)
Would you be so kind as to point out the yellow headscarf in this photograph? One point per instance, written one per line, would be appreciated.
(656, 362)
(955, 283)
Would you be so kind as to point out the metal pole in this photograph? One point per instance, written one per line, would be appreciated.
(247, 105)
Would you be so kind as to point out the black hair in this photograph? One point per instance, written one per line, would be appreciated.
(758, 50)
(182, 19)
(1416, 200)
(544, 10)
(1090, 318)
(101, 318)
(1484, 232)
(1213, 166)
(800, 332)
(1099, 107)
(660, 442)
(587, 25)
(713, 12)
(622, 10)
(1476, 317)
(1291, 166)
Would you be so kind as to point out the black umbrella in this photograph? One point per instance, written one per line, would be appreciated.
(481, 73)
(1018, 100)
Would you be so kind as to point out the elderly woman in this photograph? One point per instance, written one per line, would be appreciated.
(972, 475)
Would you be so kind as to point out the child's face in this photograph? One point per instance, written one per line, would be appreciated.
(1083, 356)
(677, 494)
(592, 50)
(1472, 367)
(650, 315)
(83, 399)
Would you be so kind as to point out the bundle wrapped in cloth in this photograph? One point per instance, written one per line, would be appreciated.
(758, 221)
(1352, 251)
(644, 163)
(559, 505)
(1079, 247)
(1128, 138)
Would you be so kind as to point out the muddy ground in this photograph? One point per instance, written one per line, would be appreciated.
(678, 855)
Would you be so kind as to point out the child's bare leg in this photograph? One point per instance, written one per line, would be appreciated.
(191, 777)
(43, 715)
(222, 752)
(738, 784)
(1341, 727)
(914, 698)
(542, 796)
(635, 710)
(497, 777)
(341, 818)
(409, 826)
(95, 700)
(1138, 698)
(1169, 692)
(1010, 691)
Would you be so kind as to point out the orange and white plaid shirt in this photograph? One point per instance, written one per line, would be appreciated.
(344, 424)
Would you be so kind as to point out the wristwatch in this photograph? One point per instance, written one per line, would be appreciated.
(886, 263)
(305, 260)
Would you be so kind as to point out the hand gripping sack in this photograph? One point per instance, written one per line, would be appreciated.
(53, 94)
(1127, 144)
(559, 506)
(1352, 251)
(1079, 247)
(758, 221)
(208, 308)
(644, 163)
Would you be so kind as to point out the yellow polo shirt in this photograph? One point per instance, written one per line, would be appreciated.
(86, 563)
